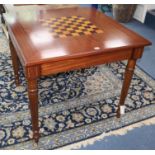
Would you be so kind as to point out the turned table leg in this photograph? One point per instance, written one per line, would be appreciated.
(32, 74)
(127, 80)
(33, 101)
(15, 63)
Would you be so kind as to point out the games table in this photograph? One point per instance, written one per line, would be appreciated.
(52, 41)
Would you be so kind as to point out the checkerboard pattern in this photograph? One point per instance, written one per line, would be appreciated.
(70, 26)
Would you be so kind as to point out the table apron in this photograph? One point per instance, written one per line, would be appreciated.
(83, 62)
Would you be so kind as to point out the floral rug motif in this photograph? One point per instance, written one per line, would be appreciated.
(74, 105)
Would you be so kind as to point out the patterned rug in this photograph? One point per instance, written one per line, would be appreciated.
(74, 106)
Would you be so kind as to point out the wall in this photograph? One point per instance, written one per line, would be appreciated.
(141, 11)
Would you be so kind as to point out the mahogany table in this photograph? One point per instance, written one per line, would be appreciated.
(51, 41)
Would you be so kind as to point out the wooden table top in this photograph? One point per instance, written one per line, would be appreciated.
(40, 36)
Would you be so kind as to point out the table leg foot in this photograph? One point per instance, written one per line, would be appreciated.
(118, 115)
(120, 111)
(36, 136)
(17, 82)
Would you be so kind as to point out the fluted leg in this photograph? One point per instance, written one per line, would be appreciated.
(33, 101)
(127, 80)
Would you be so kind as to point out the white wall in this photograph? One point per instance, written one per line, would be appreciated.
(141, 11)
